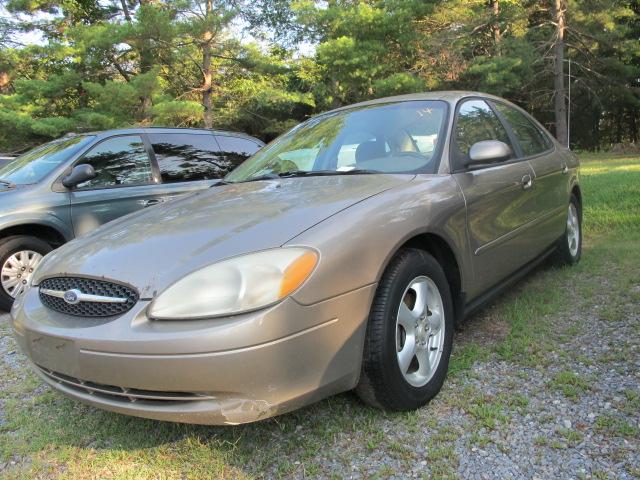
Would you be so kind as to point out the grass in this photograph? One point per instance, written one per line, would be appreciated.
(615, 426)
(572, 437)
(49, 436)
(570, 384)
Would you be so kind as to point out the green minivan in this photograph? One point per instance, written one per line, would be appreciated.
(70, 186)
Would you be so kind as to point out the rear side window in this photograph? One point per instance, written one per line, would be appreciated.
(476, 122)
(118, 161)
(531, 139)
(236, 150)
(184, 157)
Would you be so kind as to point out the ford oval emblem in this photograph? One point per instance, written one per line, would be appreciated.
(72, 297)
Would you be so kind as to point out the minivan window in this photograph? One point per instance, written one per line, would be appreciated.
(476, 122)
(36, 164)
(118, 161)
(184, 157)
(236, 150)
(531, 139)
(378, 138)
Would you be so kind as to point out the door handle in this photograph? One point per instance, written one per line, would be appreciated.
(527, 182)
(565, 168)
(150, 202)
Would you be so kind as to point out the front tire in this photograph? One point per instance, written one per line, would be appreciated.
(409, 334)
(570, 244)
(19, 256)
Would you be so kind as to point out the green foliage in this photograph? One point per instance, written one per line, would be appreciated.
(188, 62)
(183, 113)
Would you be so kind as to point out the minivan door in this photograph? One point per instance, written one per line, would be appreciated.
(192, 160)
(187, 161)
(124, 183)
(498, 198)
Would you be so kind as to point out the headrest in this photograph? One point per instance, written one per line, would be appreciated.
(369, 150)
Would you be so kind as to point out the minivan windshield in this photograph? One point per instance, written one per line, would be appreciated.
(400, 137)
(36, 164)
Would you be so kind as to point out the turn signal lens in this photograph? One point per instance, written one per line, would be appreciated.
(296, 273)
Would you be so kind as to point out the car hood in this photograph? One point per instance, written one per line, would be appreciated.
(15, 197)
(153, 248)
(7, 193)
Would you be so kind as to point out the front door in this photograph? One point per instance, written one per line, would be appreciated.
(124, 183)
(498, 198)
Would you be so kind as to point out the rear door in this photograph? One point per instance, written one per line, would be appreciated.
(125, 182)
(187, 161)
(550, 183)
(236, 150)
(498, 197)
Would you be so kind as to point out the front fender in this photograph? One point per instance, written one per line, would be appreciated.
(357, 244)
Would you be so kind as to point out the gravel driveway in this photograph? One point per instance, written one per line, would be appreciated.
(564, 407)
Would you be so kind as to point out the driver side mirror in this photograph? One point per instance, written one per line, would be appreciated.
(488, 151)
(80, 173)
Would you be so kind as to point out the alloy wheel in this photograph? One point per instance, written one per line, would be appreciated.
(573, 230)
(420, 331)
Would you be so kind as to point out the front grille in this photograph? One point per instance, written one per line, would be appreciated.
(121, 394)
(92, 287)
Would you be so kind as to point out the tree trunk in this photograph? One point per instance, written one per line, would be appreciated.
(206, 69)
(497, 33)
(5, 82)
(633, 126)
(125, 10)
(145, 51)
(560, 106)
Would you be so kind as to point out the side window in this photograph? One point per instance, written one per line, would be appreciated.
(118, 161)
(184, 157)
(236, 150)
(529, 136)
(476, 122)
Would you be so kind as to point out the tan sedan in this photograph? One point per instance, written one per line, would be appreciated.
(339, 257)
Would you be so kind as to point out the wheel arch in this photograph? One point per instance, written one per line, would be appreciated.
(441, 250)
(575, 190)
(52, 235)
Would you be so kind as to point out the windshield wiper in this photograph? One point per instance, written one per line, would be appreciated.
(220, 183)
(299, 173)
(7, 183)
(320, 173)
(266, 176)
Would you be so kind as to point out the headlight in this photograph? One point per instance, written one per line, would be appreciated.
(237, 285)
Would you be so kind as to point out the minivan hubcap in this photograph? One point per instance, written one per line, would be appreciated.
(17, 270)
(573, 230)
(420, 330)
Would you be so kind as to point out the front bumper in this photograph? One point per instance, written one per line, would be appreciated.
(220, 371)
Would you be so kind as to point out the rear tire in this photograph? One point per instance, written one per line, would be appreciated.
(411, 318)
(570, 244)
(19, 255)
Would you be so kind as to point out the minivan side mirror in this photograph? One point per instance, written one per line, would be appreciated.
(80, 173)
(488, 151)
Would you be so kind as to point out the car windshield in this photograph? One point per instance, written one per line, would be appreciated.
(401, 137)
(36, 164)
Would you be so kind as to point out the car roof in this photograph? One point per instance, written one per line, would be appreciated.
(193, 131)
(449, 96)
